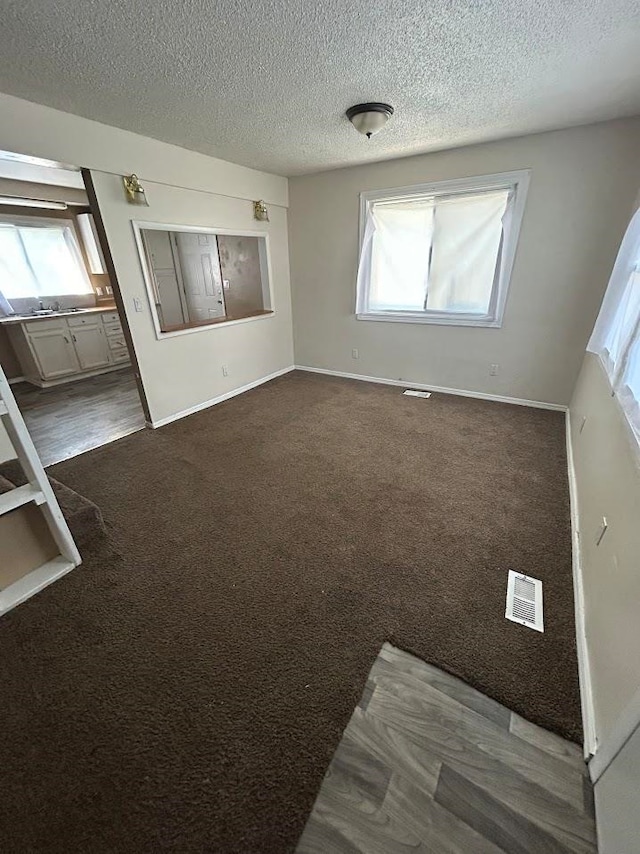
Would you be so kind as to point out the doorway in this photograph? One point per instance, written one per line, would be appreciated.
(64, 343)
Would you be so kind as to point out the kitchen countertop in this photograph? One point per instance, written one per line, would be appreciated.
(28, 318)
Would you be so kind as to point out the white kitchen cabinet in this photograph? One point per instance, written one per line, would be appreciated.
(54, 353)
(91, 346)
(52, 350)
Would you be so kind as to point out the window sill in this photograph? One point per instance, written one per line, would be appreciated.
(199, 326)
(438, 319)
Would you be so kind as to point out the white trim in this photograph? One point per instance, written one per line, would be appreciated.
(494, 181)
(624, 727)
(21, 221)
(219, 399)
(208, 326)
(584, 669)
(35, 581)
(438, 318)
(517, 182)
(461, 392)
(15, 380)
(265, 264)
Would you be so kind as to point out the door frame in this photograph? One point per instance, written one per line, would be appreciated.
(87, 177)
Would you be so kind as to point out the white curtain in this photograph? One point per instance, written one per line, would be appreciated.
(400, 235)
(616, 335)
(466, 244)
(432, 254)
(41, 261)
(620, 306)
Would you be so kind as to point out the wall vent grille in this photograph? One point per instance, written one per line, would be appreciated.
(524, 601)
(410, 392)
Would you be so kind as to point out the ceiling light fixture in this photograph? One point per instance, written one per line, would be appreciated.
(369, 118)
(33, 203)
(134, 190)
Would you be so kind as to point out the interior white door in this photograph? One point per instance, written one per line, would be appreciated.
(91, 346)
(54, 353)
(201, 275)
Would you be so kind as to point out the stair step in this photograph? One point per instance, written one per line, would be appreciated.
(83, 516)
(19, 496)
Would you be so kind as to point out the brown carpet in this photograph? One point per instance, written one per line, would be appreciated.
(185, 689)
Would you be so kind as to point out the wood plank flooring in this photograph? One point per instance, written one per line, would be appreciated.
(429, 764)
(70, 418)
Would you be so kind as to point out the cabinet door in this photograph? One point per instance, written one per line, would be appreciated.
(54, 353)
(91, 346)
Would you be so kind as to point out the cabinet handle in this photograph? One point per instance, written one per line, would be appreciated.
(66, 340)
(74, 337)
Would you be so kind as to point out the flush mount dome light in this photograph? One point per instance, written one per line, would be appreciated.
(369, 118)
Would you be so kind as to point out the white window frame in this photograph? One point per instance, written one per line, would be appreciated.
(76, 251)
(516, 182)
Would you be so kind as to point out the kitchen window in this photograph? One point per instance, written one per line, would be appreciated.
(442, 252)
(40, 258)
(616, 336)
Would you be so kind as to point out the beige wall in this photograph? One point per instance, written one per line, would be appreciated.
(183, 371)
(582, 185)
(29, 128)
(607, 469)
(183, 187)
(617, 795)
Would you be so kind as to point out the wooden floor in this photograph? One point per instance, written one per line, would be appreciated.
(73, 417)
(428, 764)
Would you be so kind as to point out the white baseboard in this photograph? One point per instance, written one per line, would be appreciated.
(219, 399)
(584, 669)
(497, 398)
(14, 380)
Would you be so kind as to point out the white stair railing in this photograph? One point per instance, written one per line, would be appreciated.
(38, 490)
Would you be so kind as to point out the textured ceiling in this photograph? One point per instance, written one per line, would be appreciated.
(266, 82)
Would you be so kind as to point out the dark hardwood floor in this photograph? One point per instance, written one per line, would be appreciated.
(429, 764)
(73, 417)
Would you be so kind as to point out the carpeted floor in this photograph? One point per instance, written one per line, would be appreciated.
(185, 689)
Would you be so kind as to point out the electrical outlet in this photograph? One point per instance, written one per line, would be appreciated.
(225, 370)
(602, 530)
(355, 354)
(493, 370)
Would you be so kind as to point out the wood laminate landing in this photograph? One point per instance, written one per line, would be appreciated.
(428, 764)
(73, 417)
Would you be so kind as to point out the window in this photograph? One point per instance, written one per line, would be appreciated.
(616, 336)
(40, 258)
(440, 253)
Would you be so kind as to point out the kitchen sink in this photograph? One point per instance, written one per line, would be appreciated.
(50, 312)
